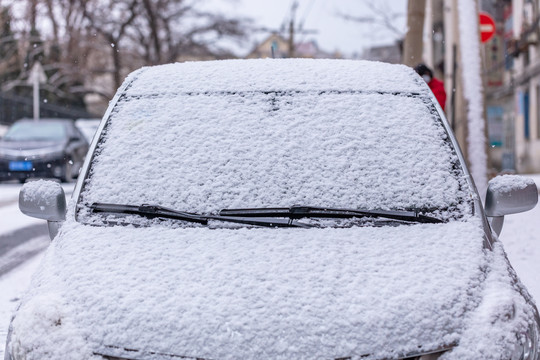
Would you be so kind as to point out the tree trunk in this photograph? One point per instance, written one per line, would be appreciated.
(412, 47)
(154, 30)
(117, 67)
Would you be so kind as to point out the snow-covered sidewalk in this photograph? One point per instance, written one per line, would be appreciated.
(12, 286)
(521, 239)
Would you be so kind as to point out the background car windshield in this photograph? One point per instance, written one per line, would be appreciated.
(38, 131)
(208, 151)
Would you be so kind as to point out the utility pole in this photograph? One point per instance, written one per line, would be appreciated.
(412, 47)
(288, 30)
(32, 14)
(293, 30)
(37, 76)
(294, 6)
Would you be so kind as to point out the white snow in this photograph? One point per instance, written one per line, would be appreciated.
(506, 183)
(19, 253)
(520, 236)
(212, 149)
(500, 318)
(9, 193)
(12, 288)
(226, 139)
(10, 223)
(13, 284)
(274, 75)
(472, 89)
(253, 293)
(43, 192)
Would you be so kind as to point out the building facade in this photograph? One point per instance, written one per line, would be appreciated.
(512, 85)
(511, 78)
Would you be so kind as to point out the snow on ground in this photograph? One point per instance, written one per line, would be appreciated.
(10, 223)
(13, 284)
(521, 239)
(12, 287)
(9, 193)
(17, 255)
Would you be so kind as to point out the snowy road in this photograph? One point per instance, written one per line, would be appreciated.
(520, 236)
(12, 286)
(21, 237)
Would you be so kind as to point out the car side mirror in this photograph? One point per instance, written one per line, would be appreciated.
(44, 199)
(509, 194)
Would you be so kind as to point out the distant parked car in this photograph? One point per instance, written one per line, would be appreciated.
(49, 148)
(275, 209)
(88, 127)
(3, 129)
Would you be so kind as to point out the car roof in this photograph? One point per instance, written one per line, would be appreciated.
(47, 120)
(275, 75)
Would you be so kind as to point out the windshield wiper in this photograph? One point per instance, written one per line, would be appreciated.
(156, 211)
(298, 212)
(149, 211)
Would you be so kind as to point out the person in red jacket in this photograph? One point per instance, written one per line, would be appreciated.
(436, 86)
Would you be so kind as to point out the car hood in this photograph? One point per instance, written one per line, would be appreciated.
(28, 148)
(254, 293)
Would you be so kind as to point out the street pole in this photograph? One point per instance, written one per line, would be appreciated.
(291, 29)
(37, 76)
(35, 90)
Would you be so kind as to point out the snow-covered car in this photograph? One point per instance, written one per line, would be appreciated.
(50, 148)
(275, 209)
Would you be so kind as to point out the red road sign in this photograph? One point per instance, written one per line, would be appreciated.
(487, 27)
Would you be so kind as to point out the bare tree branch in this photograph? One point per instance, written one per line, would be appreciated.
(381, 15)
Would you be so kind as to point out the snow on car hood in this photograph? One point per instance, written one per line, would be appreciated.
(252, 293)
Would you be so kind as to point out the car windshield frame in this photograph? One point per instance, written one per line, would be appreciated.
(456, 163)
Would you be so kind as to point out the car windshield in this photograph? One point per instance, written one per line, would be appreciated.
(204, 152)
(36, 131)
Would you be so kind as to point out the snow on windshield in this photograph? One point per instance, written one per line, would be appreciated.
(205, 151)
